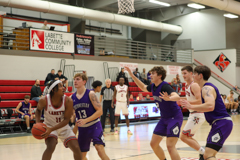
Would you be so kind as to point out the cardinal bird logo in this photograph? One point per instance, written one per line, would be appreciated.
(221, 62)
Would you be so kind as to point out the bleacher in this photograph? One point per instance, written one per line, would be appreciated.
(12, 92)
(134, 90)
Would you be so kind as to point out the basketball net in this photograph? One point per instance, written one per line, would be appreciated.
(125, 6)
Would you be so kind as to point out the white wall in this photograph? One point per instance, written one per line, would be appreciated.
(31, 68)
(205, 28)
(123, 29)
(208, 57)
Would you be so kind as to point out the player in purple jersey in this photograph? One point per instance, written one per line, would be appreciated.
(171, 115)
(25, 112)
(214, 110)
(88, 109)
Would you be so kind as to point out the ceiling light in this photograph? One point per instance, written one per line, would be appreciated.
(196, 6)
(160, 3)
(229, 15)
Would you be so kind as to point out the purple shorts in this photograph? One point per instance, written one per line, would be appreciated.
(22, 116)
(220, 131)
(92, 133)
(169, 127)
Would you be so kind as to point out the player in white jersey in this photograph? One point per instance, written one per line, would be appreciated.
(57, 113)
(195, 119)
(122, 103)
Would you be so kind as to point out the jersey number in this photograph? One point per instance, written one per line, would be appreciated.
(83, 115)
(58, 120)
(121, 95)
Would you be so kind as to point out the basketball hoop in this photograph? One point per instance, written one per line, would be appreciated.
(125, 6)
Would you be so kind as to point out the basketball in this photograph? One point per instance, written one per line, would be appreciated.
(37, 130)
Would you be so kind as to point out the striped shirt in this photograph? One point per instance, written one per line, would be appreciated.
(107, 93)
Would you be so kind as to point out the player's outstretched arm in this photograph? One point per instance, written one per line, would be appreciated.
(139, 83)
(40, 106)
(209, 96)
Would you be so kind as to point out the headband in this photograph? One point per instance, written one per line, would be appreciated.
(53, 85)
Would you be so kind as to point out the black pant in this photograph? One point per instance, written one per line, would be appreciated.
(106, 107)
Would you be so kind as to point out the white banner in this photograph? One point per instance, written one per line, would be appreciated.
(173, 70)
(132, 66)
(47, 40)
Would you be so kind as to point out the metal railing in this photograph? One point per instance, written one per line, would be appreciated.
(14, 38)
(140, 50)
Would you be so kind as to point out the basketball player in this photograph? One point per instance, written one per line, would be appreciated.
(214, 110)
(195, 119)
(122, 103)
(171, 115)
(25, 112)
(57, 113)
(88, 109)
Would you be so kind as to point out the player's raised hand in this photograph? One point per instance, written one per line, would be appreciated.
(186, 104)
(81, 122)
(164, 96)
(129, 71)
(48, 131)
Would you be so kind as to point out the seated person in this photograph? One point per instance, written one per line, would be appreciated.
(140, 97)
(137, 74)
(176, 82)
(131, 97)
(36, 92)
(50, 77)
(147, 97)
(24, 110)
(97, 86)
(122, 74)
(144, 77)
(61, 77)
(238, 101)
(236, 88)
(234, 105)
(148, 77)
(225, 101)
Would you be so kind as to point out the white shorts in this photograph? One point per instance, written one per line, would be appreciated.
(65, 134)
(121, 106)
(195, 120)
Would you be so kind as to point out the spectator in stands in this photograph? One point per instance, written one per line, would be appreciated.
(36, 92)
(147, 97)
(234, 105)
(137, 74)
(24, 110)
(61, 77)
(176, 82)
(131, 97)
(148, 77)
(97, 86)
(144, 77)
(238, 101)
(45, 25)
(140, 97)
(225, 101)
(122, 74)
(50, 77)
(236, 88)
(106, 95)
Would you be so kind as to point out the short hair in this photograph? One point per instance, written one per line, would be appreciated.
(204, 70)
(26, 97)
(187, 68)
(81, 75)
(107, 80)
(97, 83)
(59, 71)
(52, 69)
(160, 71)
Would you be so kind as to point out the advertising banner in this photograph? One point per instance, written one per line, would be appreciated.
(132, 66)
(52, 41)
(84, 44)
(173, 70)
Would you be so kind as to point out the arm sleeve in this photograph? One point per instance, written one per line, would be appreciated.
(102, 91)
(167, 88)
(149, 88)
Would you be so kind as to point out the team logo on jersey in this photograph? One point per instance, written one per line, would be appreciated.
(221, 62)
(175, 129)
(216, 137)
(195, 120)
(37, 39)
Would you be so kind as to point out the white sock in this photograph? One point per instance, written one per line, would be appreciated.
(234, 110)
(201, 150)
(28, 127)
(128, 129)
(116, 129)
(231, 110)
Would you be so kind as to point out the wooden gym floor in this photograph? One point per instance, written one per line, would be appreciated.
(119, 147)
